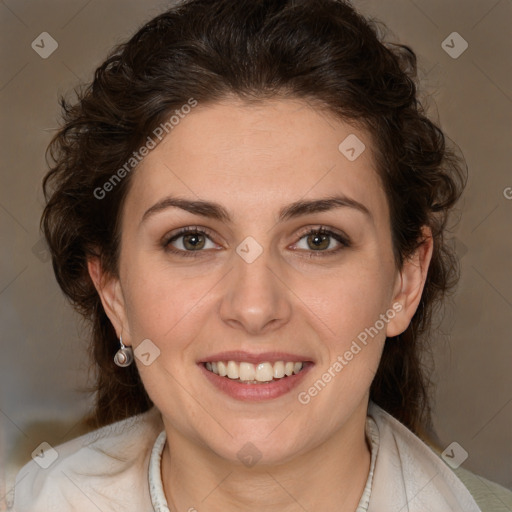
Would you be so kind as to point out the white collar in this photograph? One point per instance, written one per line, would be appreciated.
(156, 488)
(410, 476)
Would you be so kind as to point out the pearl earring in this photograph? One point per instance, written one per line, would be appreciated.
(124, 356)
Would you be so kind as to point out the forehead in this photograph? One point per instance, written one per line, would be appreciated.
(259, 156)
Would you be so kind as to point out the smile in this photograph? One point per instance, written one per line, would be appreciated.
(250, 373)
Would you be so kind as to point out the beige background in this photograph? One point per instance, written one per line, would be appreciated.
(42, 361)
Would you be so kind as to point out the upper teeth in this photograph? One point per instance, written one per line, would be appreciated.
(262, 372)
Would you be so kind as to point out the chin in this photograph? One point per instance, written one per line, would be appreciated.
(256, 447)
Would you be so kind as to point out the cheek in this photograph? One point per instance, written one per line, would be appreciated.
(350, 300)
(157, 301)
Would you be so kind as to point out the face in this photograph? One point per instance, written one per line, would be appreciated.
(279, 252)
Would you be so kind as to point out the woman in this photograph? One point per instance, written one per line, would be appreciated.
(249, 205)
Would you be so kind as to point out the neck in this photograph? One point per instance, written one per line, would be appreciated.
(330, 477)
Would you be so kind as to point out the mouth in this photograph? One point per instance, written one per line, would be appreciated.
(250, 373)
(250, 377)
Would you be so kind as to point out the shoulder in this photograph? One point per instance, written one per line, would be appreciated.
(490, 496)
(105, 469)
(421, 464)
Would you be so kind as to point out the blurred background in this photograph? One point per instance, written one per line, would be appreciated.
(464, 47)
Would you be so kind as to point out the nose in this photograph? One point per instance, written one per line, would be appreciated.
(256, 298)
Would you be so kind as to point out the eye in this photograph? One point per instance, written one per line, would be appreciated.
(189, 240)
(322, 241)
(193, 240)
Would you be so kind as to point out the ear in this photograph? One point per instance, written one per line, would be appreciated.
(409, 285)
(111, 295)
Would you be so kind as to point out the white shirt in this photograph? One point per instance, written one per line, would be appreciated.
(117, 468)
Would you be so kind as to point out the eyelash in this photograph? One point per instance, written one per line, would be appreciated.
(321, 230)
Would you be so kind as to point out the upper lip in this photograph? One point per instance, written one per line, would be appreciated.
(248, 357)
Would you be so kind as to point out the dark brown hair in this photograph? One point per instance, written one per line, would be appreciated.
(321, 51)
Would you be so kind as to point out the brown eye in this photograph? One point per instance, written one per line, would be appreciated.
(189, 241)
(194, 242)
(322, 242)
(318, 241)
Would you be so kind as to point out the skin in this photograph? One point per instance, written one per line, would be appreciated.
(254, 160)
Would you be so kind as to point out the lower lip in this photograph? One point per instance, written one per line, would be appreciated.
(256, 392)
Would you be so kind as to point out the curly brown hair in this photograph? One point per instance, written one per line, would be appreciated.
(317, 50)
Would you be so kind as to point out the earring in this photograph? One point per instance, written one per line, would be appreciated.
(124, 356)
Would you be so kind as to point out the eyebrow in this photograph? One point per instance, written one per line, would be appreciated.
(216, 211)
